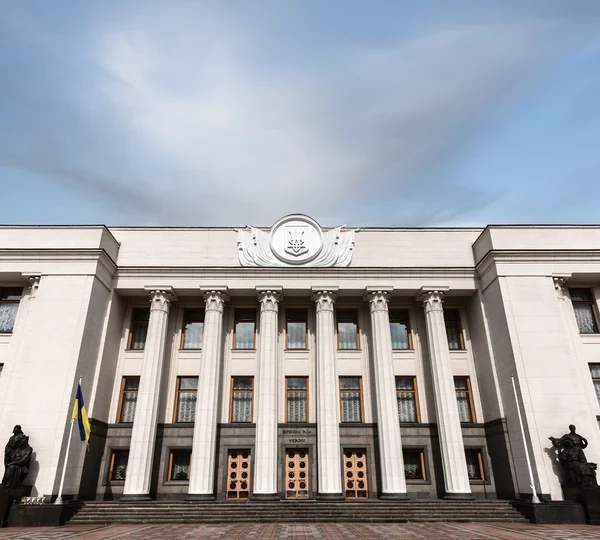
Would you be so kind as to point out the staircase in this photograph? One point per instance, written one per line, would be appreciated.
(297, 511)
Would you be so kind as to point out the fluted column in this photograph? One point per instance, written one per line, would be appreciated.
(265, 458)
(393, 483)
(328, 412)
(204, 445)
(143, 434)
(456, 478)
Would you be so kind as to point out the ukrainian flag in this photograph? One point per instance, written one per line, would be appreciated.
(80, 414)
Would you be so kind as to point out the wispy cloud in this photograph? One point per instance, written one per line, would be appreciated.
(186, 115)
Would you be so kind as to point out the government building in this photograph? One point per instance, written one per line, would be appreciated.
(300, 362)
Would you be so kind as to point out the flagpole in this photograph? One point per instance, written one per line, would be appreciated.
(534, 498)
(59, 499)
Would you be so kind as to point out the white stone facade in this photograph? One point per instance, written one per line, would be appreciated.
(509, 288)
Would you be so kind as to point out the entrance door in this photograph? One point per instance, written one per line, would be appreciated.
(355, 474)
(296, 473)
(238, 474)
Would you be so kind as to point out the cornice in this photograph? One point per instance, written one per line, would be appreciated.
(312, 273)
(528, 256)
(56, 255)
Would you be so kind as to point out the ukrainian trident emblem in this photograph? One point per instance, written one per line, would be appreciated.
(295, 240)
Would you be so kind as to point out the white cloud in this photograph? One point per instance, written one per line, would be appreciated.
(217, 128)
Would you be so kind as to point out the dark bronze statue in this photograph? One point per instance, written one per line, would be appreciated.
(17, 456)
(570, 448)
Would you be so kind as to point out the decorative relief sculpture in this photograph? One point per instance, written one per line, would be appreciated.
(295, 240)
(570, 448)
(17, 456)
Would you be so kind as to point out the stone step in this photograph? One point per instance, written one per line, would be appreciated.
(296, 511)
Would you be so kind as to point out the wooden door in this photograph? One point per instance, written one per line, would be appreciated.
(296, 473)
(355, 474)
(238, 474)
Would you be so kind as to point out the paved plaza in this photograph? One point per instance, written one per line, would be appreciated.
(308, 531)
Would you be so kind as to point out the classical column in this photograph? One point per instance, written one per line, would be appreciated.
(328, 411)
(204, 445)
(143, 434)
(456, 478)
(265, 458)
(393, 483)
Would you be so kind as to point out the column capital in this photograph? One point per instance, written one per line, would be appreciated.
(160, 298)
(214, 300)
(33, 283)
(378, 299)
(324, 299)
(269, 300)
(560, 286)
(432, 300)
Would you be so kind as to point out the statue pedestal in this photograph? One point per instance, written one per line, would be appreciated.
(589, 497)
(42, 515)
(8, 497)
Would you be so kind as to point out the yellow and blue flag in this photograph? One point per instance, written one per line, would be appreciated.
(80, 414)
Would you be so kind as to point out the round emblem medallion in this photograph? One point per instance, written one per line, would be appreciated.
(296, 239)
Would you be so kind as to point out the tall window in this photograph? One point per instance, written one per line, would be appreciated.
(474, 464)
(185, 400)
(297, 399)
(454, 333)
(129, 394)
(414, 463)
(347, 329)
(179, 464)
(138, 329)
(193, 325)
(296, 326)
(245, 327)
(400, 329)
(595, 372)
(118, 465)
(242, 393)
(9, 305)
(351, 399)
(464, 399)
(406, 395)
(585, 310)
(1, 368)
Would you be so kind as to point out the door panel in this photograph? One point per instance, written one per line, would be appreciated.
(355, 474)
(238, 474)
(296, 473)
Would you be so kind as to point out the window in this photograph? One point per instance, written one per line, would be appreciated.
(242, 393)
(406, 395)
(585, 310)
(400, 329)
(347, 329)
(474, 464)
(185, 399)
(595, 372)
(129, 394)
(193, 325)
(464, 399)
(179, 464)
(245, 326)
(138, 329)
(9, 304)
(351, 399)
(414, 463)
(118, 465)
(454, 333)
(297, 399)
(1, 368)
(296, 329)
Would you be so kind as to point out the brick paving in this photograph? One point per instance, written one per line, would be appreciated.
(308, 531)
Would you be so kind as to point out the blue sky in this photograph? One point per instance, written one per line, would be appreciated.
(183, 112)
